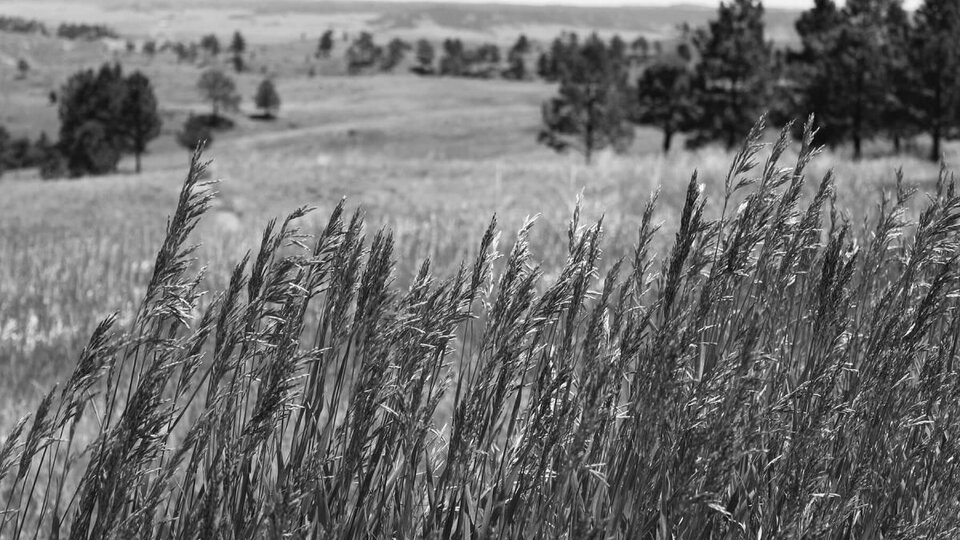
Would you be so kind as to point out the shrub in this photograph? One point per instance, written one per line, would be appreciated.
(773, 377)
(196, 130)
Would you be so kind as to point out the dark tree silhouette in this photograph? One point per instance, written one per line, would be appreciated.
(396, 50)
(666, 100)
(732, 75)
(139, 117)
(363, 53)
(211, 44)
(590, 112)
(238, 46)
(195, 131)
(91, 137)
(934, 52)
(425, 56)
(267, 99)
(325, 45)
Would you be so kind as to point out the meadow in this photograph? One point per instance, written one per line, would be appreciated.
(769, 357)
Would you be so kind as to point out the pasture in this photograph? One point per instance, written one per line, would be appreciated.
(431, 161)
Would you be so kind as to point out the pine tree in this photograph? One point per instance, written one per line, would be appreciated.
(325, 45)
(425, 56)
(91, 135)
(897, 117)
(396, 50)
(363, 53)
(267, 99)
(589, 113)
(665, 100)
(732, 76)
(851, 70)
(139, 118)
(814, 68)
(453, 61)
(934, 53)
(517, 67)
(238, 46)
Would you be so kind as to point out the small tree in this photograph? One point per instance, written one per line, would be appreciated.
(150, 47)
(363, 53)
(665, 99)
(517, 67)
(139, 118)
(219, 89)
(211, 44)
(589, 113)
(267, 99)
(325, 45)
(453, 61)
(23, 67)
(396, 50)
(425, 56)
(238, 46)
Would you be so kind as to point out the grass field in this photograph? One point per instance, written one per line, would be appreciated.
(432, 160)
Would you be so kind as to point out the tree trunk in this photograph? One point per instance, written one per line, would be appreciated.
(936, 136)
(667, 140)
(137, 158)
(858, 118)
(936, 133)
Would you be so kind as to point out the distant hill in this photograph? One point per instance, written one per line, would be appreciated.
(648, 20)
(286, 20)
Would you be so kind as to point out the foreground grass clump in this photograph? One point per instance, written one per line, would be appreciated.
(778, 375)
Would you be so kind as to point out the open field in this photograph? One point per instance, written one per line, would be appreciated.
(773, 376)
(432, 158)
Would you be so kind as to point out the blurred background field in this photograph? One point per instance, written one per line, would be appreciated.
(431, 158)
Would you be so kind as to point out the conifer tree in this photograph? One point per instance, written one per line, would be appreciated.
(325, 45)
(425, 56)
(140, 120)
(732, 76)
(665, 100)
(267, 99)
(238, 46)
(590, 112)
(934, 54)
(91, 134)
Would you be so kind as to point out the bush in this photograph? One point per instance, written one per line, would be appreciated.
(196, 130)
(774, 376)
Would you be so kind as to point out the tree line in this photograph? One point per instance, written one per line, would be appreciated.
(866, 70)
(105, 115)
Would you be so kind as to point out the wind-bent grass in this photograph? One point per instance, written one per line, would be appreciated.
(778, 375)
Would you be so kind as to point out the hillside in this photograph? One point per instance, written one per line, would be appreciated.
(285, 20)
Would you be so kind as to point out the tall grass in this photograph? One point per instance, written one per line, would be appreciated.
(779, 374)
